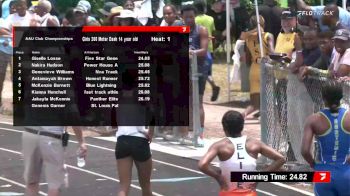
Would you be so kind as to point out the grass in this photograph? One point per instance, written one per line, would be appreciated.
(220, 76)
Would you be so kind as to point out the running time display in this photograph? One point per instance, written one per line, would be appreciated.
(101, 76)
(318, 177)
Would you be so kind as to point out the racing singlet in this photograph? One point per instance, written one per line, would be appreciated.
(333, 146)
(240, 161)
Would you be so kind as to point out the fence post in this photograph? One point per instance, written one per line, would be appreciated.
(195, 100)
(263, 101)
(263, 104)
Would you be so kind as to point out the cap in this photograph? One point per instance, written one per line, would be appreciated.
(287, 14)
(81, 9)
(85, 4)
(342, 34)
(107, 8)
(127, 14)
(116, 10)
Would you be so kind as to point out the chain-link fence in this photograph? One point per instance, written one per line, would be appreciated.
(286, 103)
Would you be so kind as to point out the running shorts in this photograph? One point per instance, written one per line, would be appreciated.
(136, 147)
(340, 180)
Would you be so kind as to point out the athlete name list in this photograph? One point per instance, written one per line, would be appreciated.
(91, 73)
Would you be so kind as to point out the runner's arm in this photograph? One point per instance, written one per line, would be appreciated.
(278, 159)
(346, 122)
(307, 141)
(205, 167)
(150, 133)
(203, 33)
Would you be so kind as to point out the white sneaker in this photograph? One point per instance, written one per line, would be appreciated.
(169, 137)
(186, 141)
(200, 142)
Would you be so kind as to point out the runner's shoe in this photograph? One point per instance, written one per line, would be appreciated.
(186, 141)
(215, 95)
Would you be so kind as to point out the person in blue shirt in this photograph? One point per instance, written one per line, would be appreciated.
(318, 12)
(5, 7)
(331, 129)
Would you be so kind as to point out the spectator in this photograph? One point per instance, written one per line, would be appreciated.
(12, 7)
(127, 18)
(5, 59)
(344, 15)
(170, 16)
(43, 9)
(106, 11)
(286, 38)
(5, 7)
(86, 6)
(113, 19)
(310, 52)
(129, 5)
(149, 12)
(272, 15)
(22, 17)
(198, 45)
(253, 55)
(82, 18)
(341, 62)
(80, 15)
(240, 22)
(323, 62)
(207, 22)
(69, 19)
(285, 45)
(217, 11)
(246, 148)
(332, 20)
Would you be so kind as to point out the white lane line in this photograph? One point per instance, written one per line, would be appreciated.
(87, 171)
(6, 123)
(292, 188)
(180, 167)
(266, 193)
(14, 152)
(19, 184)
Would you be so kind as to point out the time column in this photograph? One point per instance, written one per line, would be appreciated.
(18, 92)
(144, 77)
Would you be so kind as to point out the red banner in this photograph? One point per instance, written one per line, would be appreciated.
(177, 29)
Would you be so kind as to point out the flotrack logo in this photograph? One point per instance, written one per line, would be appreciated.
(314, 13)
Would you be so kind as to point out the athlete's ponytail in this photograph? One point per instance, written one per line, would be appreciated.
(334, 108)
(332, 94)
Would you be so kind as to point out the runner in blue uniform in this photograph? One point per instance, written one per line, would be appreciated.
(331, 128)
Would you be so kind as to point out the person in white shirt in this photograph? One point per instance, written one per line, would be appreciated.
(237, 153)
(22, 17)
(43, 10)
(341, 61)
(170, 16)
